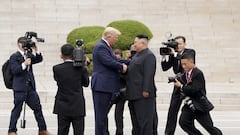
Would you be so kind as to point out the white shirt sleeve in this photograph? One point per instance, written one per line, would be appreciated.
(23, 66)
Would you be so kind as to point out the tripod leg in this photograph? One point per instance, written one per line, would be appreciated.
(23, 121)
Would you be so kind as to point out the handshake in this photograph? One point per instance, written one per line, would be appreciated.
(124, 68)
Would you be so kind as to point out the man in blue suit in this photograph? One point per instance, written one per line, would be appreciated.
(24, 88)
(105, 78)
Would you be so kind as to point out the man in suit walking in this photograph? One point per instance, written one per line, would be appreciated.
(105, 78)
(141, 89)
(173, 60)
(24, 88)
(69, 101)
(196, 105)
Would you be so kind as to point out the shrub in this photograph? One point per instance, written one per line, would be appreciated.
(129, 30)
(89, 34)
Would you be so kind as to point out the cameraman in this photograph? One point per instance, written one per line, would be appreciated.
(69, 102)
(174, 62)
(24, 88)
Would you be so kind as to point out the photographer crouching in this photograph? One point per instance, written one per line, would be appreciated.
(196, 105)
(171, 58)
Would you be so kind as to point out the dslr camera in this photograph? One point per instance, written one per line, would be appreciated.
(28, 43)
(187, 100)
(173, 78)
(171, 43)
(79, 55)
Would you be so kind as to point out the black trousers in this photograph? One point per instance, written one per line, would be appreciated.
(65, 121)
(186, 122)
(175, 103)
(142, 114)
(155, 119)
(119, 109)
(33, 101)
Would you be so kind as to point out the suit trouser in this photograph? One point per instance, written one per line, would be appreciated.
(142, 115)
(155, 120)
(119, 116)
(173, 110)
(65, 121)
(186, 122)
(101, 101)
(33, 101)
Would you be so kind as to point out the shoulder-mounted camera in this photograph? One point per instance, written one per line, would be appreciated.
(28, 43)
(171, 43)
(79, 55)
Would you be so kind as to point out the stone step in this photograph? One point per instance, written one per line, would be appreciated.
(160, 106)
(221, 99)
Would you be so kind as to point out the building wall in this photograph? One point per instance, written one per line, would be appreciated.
(212, 28)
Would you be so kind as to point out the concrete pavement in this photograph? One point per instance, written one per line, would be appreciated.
(227, 121)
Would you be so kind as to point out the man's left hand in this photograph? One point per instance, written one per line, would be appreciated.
(145, 94)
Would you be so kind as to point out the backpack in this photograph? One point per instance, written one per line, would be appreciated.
(7, 74)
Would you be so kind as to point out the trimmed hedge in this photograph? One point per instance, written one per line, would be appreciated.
(129, 30)
(92, 34)
(89, 34)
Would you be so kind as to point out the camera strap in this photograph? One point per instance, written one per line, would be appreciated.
(178, 60)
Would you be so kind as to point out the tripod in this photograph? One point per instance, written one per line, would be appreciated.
(23, 121)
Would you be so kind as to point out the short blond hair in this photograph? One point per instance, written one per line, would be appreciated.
(109, 32)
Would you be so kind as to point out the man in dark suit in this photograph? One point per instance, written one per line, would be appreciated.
(192, 85)
(69, 101)
(24, 88)
(119, 108)
(174, 62)
(105, 78)
(141, 89)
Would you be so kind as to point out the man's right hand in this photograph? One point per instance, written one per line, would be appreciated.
(177, 83)
(87, 62)
(27, 61)
(172, 51)
(124, 68)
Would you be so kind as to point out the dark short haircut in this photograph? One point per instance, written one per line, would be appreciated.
(67, 50)
(22, 40)
(117, 52)
(181, 37)
(188, 56)
(142, 36)
(129, 47)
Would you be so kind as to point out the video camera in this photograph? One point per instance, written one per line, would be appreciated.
(28, 43)
(79, 55)
(171, 43)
